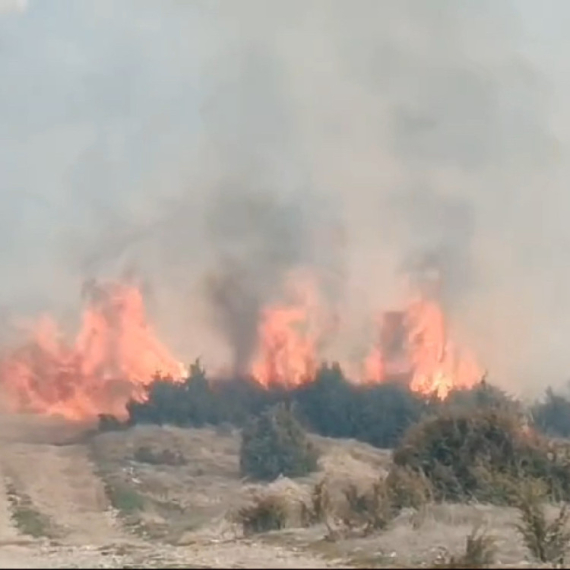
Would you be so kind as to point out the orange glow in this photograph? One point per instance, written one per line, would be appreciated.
(115, 354)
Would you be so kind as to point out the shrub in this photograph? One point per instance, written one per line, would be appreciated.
(461, 451)
(546, 541)
(266, 512)
(378, 414)
(408, 488)
(370, 510)
(482, 396)
(329, 405)
(275, 444)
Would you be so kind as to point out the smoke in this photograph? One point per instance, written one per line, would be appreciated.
(216, 146)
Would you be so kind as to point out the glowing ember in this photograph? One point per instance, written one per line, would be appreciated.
(115, 354)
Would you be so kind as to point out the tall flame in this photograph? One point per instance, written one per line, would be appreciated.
(432, 363)
(439, 365)
(115, 354)
(288, 337)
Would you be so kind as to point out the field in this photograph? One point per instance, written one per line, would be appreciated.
(163, 497)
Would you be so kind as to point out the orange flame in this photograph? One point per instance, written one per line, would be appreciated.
(435, 364)
(439, 365)
(288, 337)
(116, 353)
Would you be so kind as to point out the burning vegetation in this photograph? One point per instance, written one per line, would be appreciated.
(116, 354)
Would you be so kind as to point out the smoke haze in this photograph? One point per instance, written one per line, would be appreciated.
(215, 146)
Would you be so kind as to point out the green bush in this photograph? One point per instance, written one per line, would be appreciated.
(481, 396)
(378, 414)
(275, 444)
(331, 405)
(480, 454)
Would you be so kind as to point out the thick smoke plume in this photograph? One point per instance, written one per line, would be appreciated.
(216, 146)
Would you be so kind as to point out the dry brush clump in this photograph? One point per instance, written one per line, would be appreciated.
(363, 506)
(281, 504)
(264, 513)
(479, 552)
(547, 540)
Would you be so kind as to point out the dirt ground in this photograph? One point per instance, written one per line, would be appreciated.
(162, 497)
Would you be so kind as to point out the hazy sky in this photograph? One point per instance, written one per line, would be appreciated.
(188, 137)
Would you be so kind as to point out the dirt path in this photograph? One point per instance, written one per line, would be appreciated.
(60, 483)
(54, 513)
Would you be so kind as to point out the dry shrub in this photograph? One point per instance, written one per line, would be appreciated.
(361, 509)
(366, 505)
(265, 513)
(408, 488)
(473, 454)
(479, 552)
(546, 541)
(274, 507)
(372, 510)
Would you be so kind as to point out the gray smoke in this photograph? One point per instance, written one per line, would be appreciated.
(215, 146)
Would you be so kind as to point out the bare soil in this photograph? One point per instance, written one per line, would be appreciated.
(162, 497)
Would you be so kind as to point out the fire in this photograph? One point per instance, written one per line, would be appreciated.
(430, 361)
(439, 365)
(288, 337)
(413, 346)
(115, 354)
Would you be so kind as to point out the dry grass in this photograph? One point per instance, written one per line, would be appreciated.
(479, 552)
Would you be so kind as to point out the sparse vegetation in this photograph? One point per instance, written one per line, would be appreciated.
(27, 518)
(275, 444)
(123, 498)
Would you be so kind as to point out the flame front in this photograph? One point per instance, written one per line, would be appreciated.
(115, 354)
